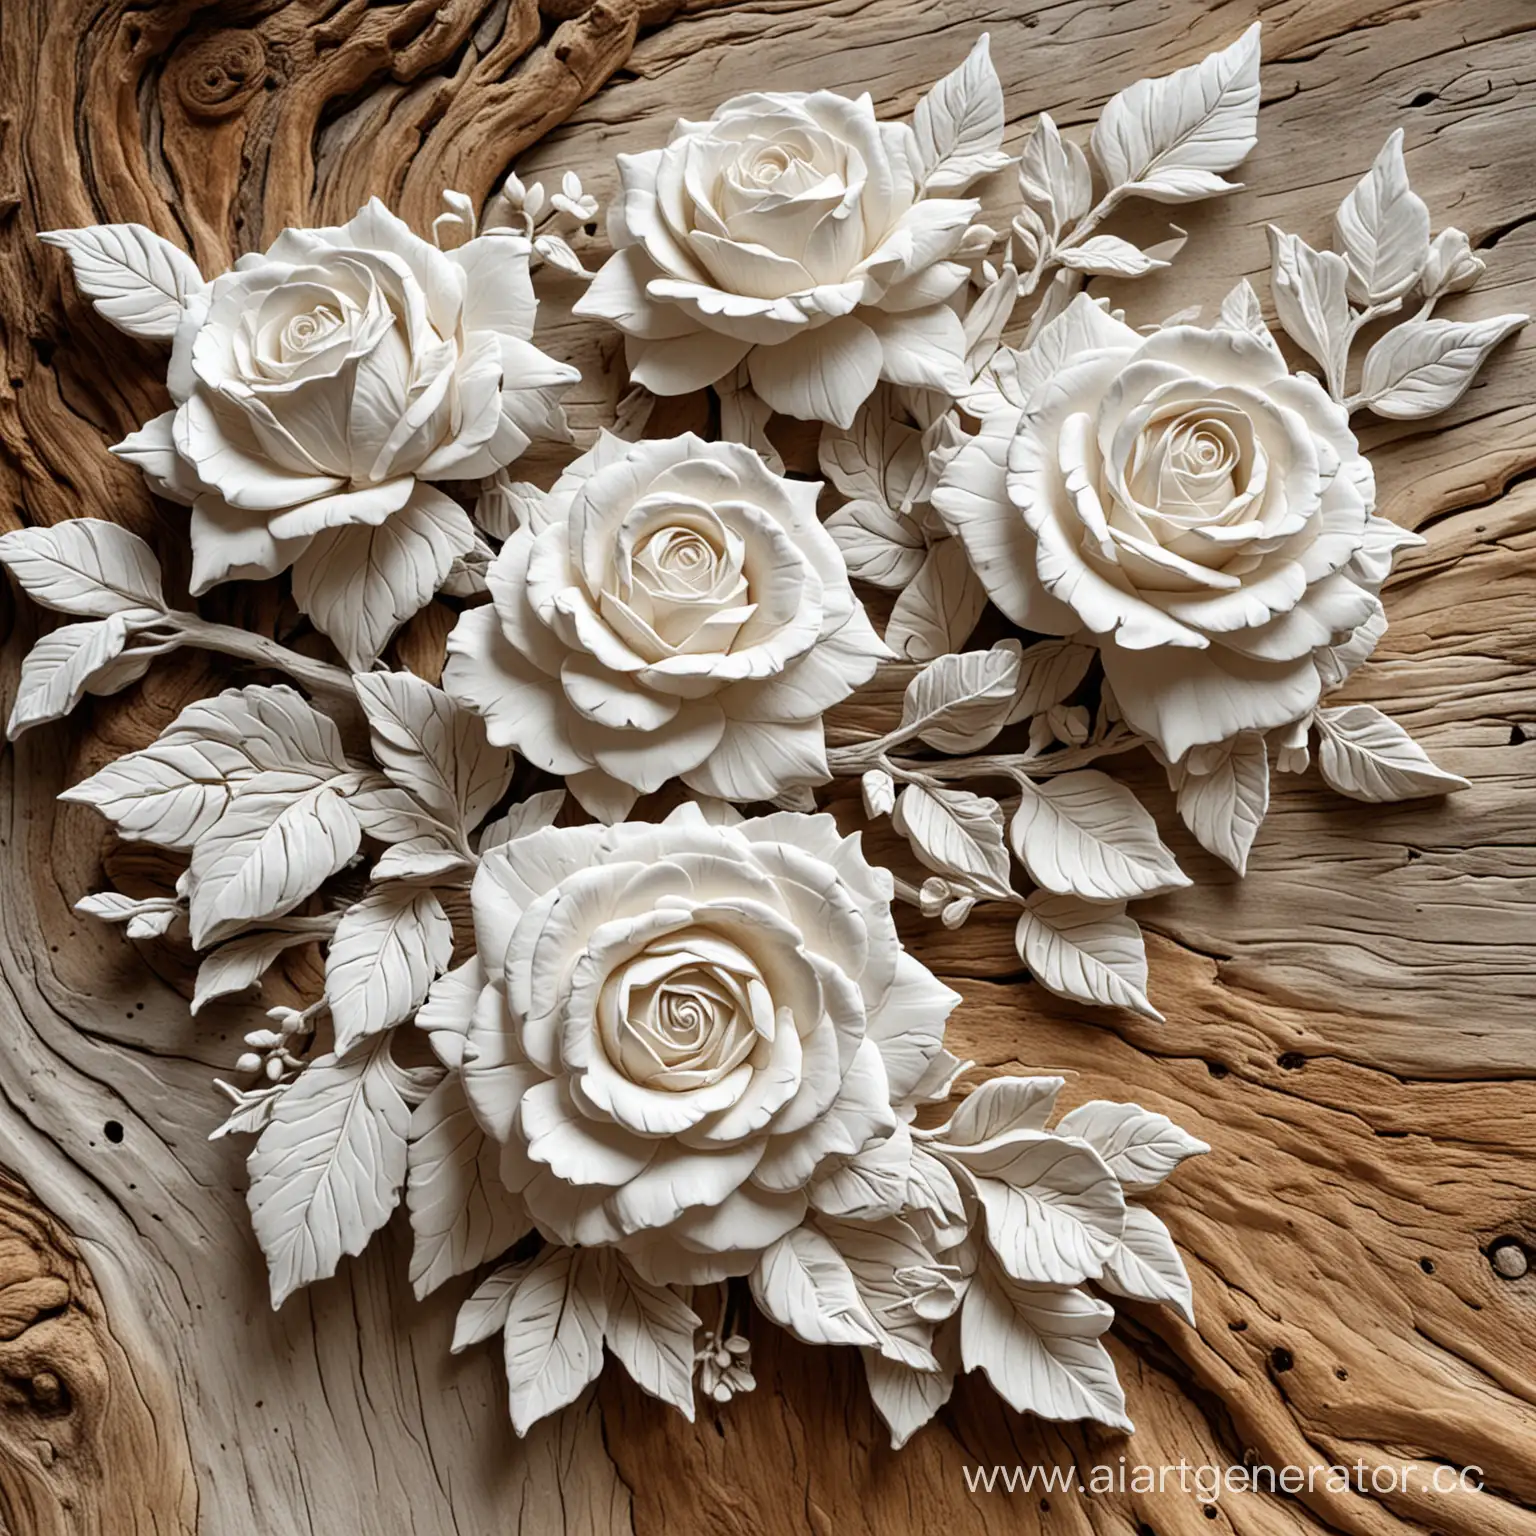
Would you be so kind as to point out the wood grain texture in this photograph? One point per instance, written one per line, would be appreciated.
(1350, 1027)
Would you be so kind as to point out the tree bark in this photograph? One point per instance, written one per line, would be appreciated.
(1350, 1027)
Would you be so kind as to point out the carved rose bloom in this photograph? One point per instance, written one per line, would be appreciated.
(671, 608)
(789, 232)
(1202, 514)
(686, 1025)
(317, 384)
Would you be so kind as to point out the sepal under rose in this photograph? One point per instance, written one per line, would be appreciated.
(671, 608)
(686, 1027)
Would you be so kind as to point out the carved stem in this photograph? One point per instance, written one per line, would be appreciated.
(859, 758)
(319, 676)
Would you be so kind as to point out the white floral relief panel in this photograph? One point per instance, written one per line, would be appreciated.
(611, 1004)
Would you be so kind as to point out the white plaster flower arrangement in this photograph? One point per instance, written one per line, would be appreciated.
(673, 1057)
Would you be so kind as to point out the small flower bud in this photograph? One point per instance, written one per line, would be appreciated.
(957, 911)
(1068, 723)
(933, 896)
(249, 1062)
(1451, 265)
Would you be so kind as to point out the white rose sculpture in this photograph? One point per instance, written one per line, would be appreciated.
(685, 1025)
(321, 385)
(793, 232)
(671, 608)
(1185, 502)
(675, 1064)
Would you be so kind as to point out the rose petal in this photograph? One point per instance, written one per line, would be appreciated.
(822, 375)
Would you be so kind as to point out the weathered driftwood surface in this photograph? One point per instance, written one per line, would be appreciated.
(1350, 1028)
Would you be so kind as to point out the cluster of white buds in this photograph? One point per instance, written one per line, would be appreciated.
(936, 897)
(547, 219)
(270, 1053)
(725, 1366)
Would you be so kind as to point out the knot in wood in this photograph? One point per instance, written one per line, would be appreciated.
(1509, 1259)
(218, 74)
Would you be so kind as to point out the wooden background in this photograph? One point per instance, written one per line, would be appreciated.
(1351, 1028)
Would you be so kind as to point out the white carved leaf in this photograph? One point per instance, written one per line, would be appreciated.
(169, 793)
(878, 789)
(878, 546)
(242, 962)
(1241, 311)
(879, 458)
(984, 324)
(932, 1188)
(744, 418)
(1147, 1267)
(803, 1283)
(174, 790)
(961, 701)
(554, 1333)
(526, 816)
(868, 1184)
(1083, 834)
(386, 952)
(938, 609)
(1084, 950)
(1363, 754)
(1225, 807)
(461, 1212)
(1424, 366)
(650, 1331)
(1311, 290)
(1039, 1347)
(450, 1005)
(272, 727)
(1109, 256)
(504, 505)
(1000, 1106)
(1048, 672)
(1054, 177)
(84, 566)
(959, 125)
(485, 1313)
(1169, 139)
(145, 918)
(133, 277)
(360, 583)
(274, 845)
(1140, 1146)
(904, 1398)
(65, 664)
(956, 834)
(1382, 228)
(423, 860)
(253, 1109)
(905, 1289)
(1085, 324)
(391, 816)
(433, 747)
(1054, 1209)
(328, 1169)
